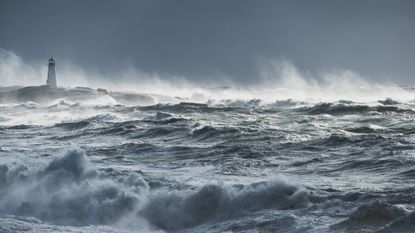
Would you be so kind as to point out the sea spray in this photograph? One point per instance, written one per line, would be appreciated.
(69, 190)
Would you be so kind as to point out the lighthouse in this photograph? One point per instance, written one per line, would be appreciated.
(51, 82)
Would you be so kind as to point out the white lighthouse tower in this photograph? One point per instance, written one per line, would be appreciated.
(51, 82)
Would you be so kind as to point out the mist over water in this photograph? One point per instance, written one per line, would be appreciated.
(276, 79)
(292, 151)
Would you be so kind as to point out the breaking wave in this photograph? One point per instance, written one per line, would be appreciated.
(175, 210)
(69, 190)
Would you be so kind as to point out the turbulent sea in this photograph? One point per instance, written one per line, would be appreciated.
(221, 166)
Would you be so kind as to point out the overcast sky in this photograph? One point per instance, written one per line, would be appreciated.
(210, 38)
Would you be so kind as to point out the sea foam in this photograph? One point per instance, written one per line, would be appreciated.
(69, 190)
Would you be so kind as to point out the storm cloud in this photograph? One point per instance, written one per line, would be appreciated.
(209, 41)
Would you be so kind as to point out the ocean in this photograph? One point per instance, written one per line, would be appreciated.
(218, 166)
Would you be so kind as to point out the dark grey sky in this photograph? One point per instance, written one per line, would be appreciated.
(202, 39)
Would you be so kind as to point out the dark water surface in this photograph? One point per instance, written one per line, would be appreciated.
(236, 166)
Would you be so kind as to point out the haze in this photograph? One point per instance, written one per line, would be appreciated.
(209, 41)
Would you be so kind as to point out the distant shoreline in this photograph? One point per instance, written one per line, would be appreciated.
(44, 94)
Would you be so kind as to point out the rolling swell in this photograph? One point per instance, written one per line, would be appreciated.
(188, 107)
(335, 109)
(370, 217)
(351, 109)
(203, 133)
(401, 225)
(73, 125)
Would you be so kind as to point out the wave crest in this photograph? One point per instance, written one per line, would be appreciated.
(178, 210)
(70, 191)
